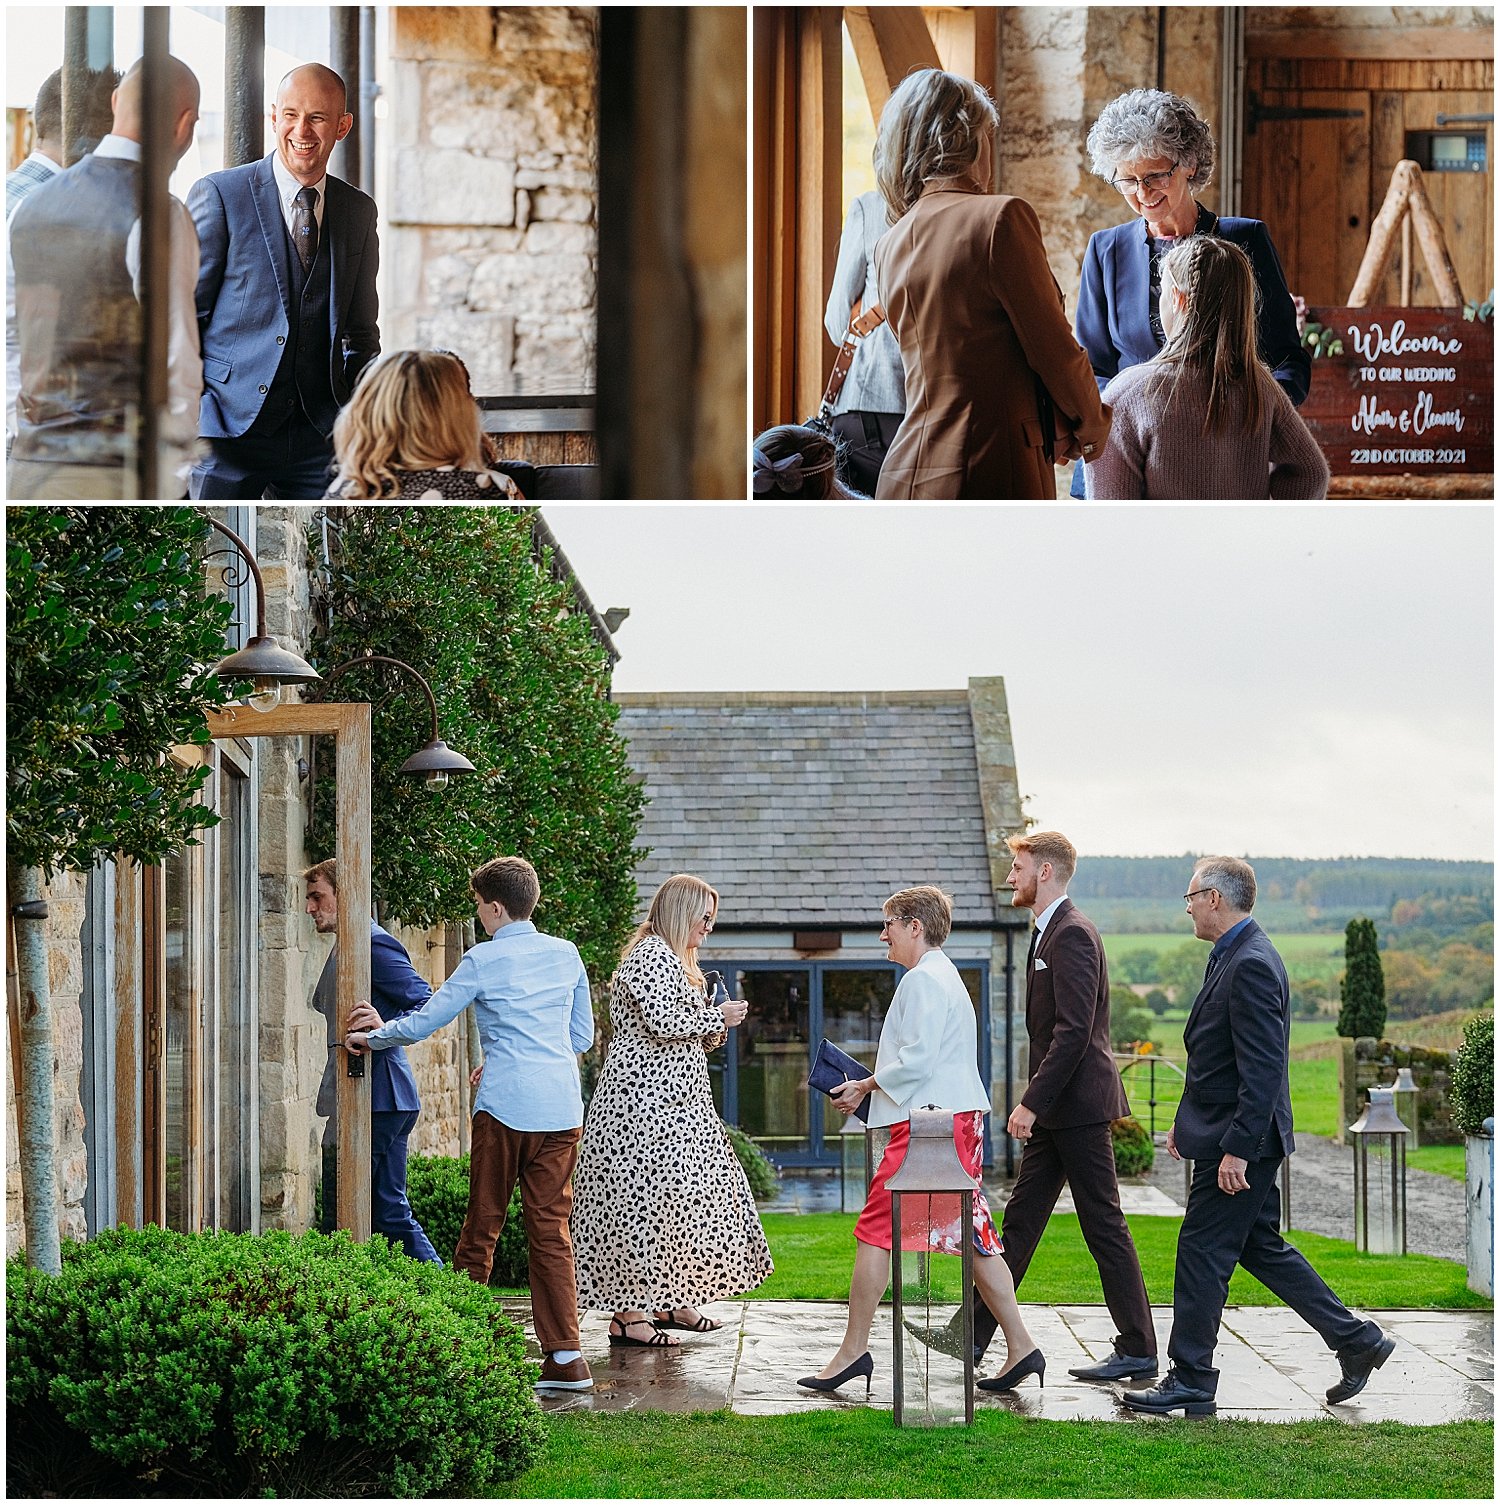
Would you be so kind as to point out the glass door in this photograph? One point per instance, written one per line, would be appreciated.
(766, 1079)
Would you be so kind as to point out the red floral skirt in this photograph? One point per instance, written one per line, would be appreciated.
(930, 1223)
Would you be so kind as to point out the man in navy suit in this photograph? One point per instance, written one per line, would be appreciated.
(1235, 1122)
(395, 990)
(287, 308)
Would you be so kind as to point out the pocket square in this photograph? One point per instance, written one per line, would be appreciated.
(1039, 965)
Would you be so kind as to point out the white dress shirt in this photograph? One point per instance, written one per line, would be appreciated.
(1046, 914)
(184, 358)
(41, 161)
(287, 188)
(929, 1047)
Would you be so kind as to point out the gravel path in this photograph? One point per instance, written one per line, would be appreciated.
(1322, 1183)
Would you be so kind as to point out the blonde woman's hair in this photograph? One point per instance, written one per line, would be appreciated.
(676, 907)
(411, 410)
(931, 128)
(1214, 343)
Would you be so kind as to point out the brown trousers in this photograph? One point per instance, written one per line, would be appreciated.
(543, 1163)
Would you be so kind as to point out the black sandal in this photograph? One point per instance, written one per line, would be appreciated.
(702, 1325)
(622, 1339)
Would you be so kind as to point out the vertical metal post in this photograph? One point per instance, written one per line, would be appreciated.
(244, 84)
(343, 47)
(1010, 1047)
(369, 91)
(156, 251)
(898, 1346)
(968, 1205)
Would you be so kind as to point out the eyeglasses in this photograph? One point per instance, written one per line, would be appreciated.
(1193, 893)
(896, 919)
(1152, 181)
(707, 922)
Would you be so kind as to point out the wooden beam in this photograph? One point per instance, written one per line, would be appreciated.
(349, 725)
(889, 42)
(965, 37)
(1437, 42)
(820, 192)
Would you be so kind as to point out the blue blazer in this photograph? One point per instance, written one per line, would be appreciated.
(1114, 302)
(395, 989)
(1236, 1099)
(245, 290)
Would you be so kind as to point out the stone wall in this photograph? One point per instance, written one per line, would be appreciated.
(1367, 1063)
(490, 224)
(64, 896)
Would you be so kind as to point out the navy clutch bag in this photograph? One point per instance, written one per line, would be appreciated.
(832, 1068)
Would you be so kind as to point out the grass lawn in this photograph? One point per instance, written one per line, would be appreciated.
(1441, 1159)
(860, 1454)
(1293, 947)
(814, 1252)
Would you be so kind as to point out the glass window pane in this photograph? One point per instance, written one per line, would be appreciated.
(772, 1055)
(181, 1028)
(854, 1005)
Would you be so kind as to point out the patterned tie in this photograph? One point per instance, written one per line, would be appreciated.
(305, 227)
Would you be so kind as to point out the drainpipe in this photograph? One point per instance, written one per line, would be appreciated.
(244, 84)
(35, 1063)
(343, 48)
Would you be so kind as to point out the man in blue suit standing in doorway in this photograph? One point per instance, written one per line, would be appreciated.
(287, 309)
(395, 990)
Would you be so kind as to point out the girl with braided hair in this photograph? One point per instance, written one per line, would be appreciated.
(1206, 419)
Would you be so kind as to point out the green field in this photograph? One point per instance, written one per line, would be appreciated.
(1293, 947)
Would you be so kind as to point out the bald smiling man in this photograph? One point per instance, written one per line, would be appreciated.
(286, 301)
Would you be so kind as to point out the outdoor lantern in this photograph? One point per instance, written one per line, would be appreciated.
(1380, 1176)
(263, 661)
(931, 1167)
(1405, 1089)
(434, 761)
(860, 1149)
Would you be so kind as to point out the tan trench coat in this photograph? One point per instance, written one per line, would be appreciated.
(979, 317)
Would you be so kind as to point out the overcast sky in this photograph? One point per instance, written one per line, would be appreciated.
(1274, 681)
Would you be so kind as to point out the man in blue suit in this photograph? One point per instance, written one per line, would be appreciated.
(287, 308)
(395, 990)
(1235, 1123)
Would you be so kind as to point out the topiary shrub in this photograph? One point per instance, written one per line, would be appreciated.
(1135, 1154)
(437, 1186)
(235, 1364)
(1472, 1091)
(764, 1178)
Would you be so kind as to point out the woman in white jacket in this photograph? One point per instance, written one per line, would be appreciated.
(927, 1058)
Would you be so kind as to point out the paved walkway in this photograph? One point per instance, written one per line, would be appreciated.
(1272, 1367)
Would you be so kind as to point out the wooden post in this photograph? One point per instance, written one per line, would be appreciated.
(889, 42)
(349, 726)
(1406, 197)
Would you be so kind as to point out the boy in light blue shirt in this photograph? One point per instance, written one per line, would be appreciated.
(531, 1001)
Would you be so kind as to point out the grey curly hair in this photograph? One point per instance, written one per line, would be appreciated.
(931, 127)
(1152, 123)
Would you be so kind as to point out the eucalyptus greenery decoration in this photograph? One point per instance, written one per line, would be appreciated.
(464, 596)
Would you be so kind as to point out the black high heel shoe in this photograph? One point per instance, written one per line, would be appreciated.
(1033, 1363)
(863, 1365)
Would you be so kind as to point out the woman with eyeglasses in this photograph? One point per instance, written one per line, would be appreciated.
(1158, 153)
(663, 1217)
(927, 1057)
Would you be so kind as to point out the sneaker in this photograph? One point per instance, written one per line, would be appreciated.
(571, 1376)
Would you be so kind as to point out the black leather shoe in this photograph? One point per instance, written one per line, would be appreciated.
(1358, 1365)
(1171, 1395)
(1119, 1366)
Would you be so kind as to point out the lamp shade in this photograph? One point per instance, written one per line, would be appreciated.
(436, 757)
(262, 658)
(1380, 1117)
(931, 1162)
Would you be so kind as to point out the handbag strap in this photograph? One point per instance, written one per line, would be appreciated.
(869, 321)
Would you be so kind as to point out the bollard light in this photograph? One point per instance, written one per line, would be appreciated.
(854, 1164)
(1406, 1090)
(932, 1174)
(1380, 1176)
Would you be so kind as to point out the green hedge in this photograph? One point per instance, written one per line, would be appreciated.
(1472, 1094)
(1134, 1152)
(437, 1186)
(764, 1178)
(231, 1364)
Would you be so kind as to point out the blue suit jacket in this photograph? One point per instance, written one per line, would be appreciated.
(1114, 303)
(245, 290)
(395, 989)
(1236, 1099)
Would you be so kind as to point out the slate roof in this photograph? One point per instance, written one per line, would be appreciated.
(808, 809)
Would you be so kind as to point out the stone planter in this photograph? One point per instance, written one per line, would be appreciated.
(1479, 1203)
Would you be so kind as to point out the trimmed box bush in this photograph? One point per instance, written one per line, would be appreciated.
(764, 1178)
(1134, 1152)
(1473, 1090)
(437, 1186)
(235, 1364)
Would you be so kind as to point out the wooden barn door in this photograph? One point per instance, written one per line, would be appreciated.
(1322, 137)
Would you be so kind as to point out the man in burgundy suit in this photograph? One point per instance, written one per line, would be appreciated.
(1064, 1115)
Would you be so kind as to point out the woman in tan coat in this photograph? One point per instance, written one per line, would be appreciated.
(993, 372)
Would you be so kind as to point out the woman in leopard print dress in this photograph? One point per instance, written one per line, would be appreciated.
(663, 1218)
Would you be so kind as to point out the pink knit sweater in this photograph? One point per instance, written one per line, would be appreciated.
(1169, 457)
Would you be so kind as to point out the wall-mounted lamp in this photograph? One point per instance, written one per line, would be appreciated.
(263, 661)
(435, 761)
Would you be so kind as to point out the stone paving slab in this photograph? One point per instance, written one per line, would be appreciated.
(1272, 1368)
